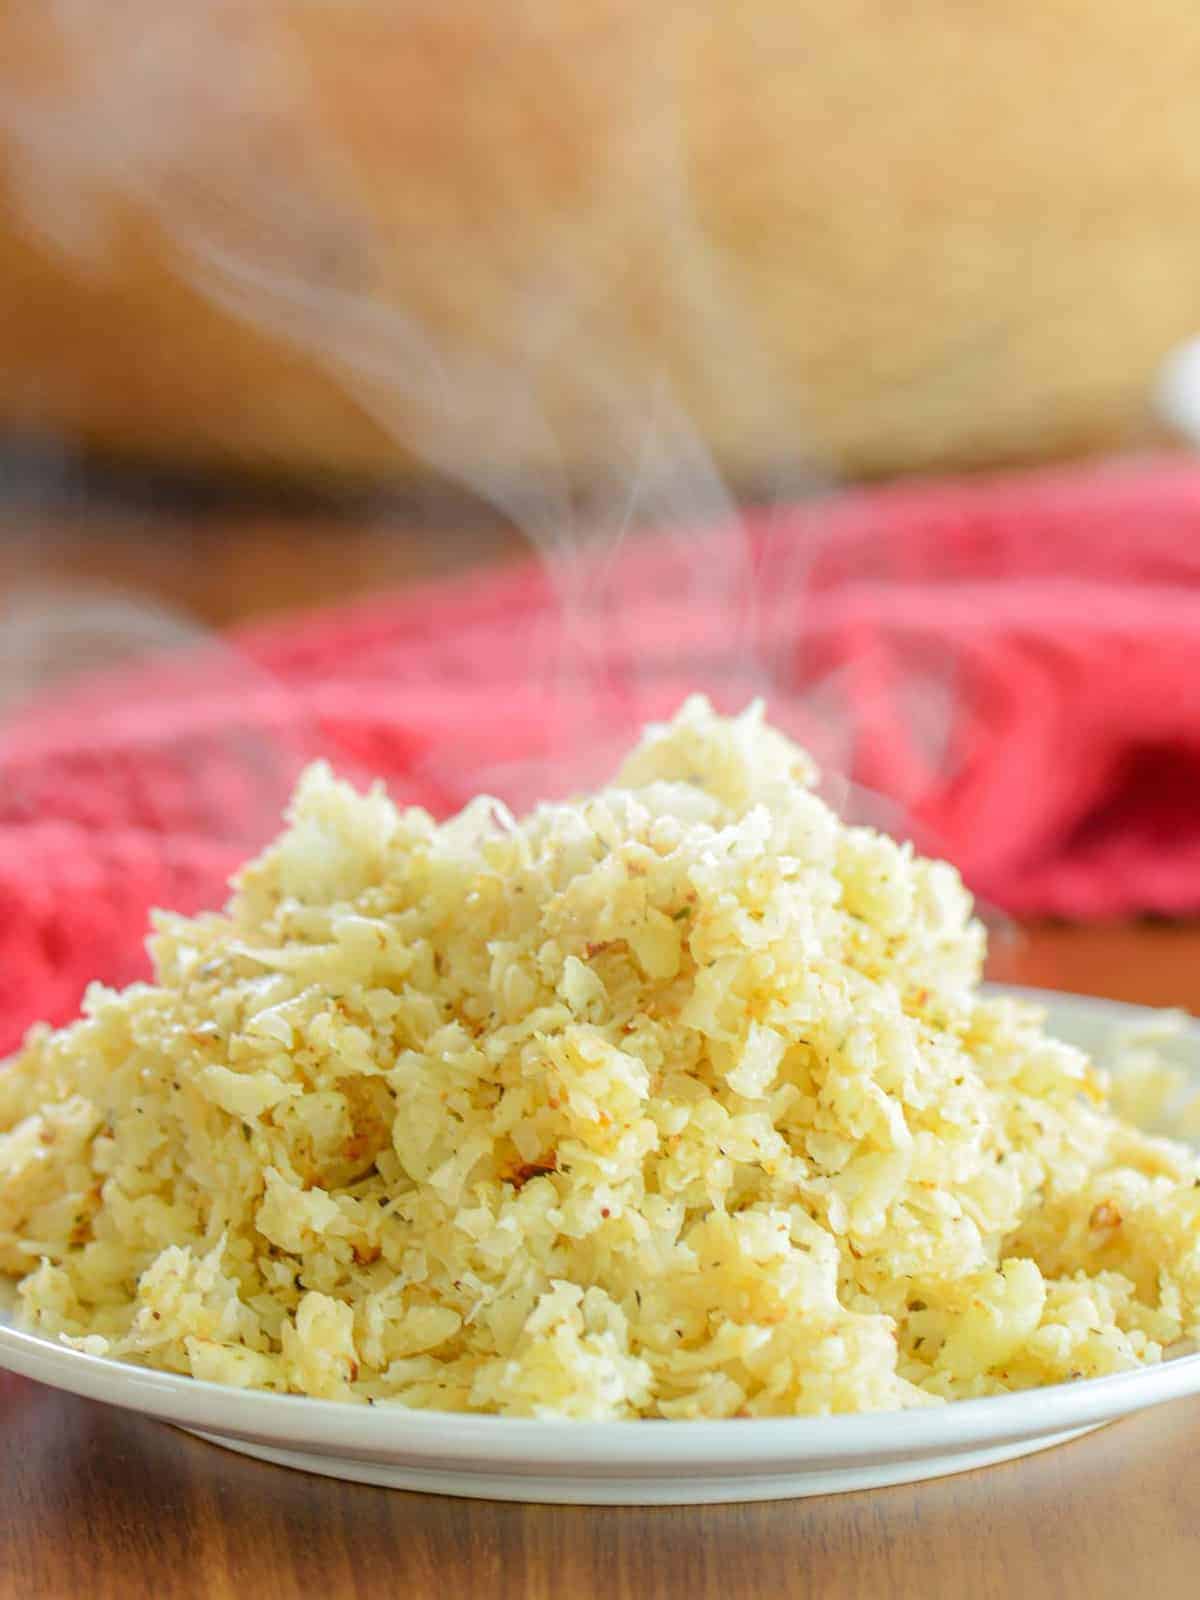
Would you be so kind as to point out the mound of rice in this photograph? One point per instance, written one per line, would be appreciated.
(676, 1101)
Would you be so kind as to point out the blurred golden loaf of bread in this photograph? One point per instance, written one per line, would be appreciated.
(351, 238)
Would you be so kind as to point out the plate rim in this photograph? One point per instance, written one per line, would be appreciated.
(387, 1430)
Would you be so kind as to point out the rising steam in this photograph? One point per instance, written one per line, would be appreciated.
(173, 105)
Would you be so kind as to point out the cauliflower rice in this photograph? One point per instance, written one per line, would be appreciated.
(676, 1101)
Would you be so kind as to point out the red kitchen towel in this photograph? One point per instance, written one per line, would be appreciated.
(1010, 666)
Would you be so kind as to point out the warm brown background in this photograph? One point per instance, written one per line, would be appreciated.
(100, 1503)
(880, 235)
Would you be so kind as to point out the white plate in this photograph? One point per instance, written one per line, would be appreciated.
(632, 1463)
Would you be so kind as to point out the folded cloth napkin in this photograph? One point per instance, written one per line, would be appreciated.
(1010, 666)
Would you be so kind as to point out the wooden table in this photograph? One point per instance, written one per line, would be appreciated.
(99, 1503)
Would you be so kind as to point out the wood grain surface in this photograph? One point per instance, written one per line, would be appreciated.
(98, 1502)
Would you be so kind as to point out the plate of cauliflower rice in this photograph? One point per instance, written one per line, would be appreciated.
(662, 1145)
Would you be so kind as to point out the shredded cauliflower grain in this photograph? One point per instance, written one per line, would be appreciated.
(680, 1100)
